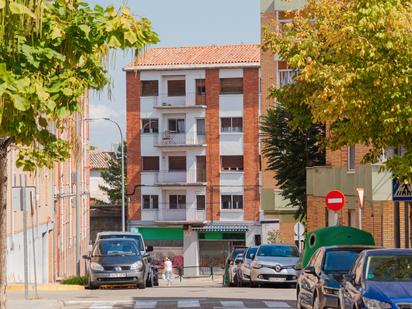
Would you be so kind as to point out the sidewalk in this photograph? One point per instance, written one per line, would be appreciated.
(34, 304)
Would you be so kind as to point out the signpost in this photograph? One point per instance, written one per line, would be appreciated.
(299, 229)
(335, 201)
(361, 196)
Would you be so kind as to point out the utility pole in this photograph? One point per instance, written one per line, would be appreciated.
(25, 250)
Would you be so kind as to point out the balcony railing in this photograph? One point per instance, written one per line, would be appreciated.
(165, 213)
(168, 138)
(188, 100)
(285, 77)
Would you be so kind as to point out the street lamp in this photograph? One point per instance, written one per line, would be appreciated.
(122, 150)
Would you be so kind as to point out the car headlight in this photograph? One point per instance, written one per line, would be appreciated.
(136, 266)
(96, 266)
(256, 265)
(375, 304)
(330, 291)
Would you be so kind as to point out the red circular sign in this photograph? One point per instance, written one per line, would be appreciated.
(335, 200)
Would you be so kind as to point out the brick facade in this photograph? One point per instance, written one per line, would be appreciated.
(133, 90)
(213, 146)
(251, 143)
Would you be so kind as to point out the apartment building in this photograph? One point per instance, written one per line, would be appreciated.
(275, 72)
(51, 211)
(193, 150)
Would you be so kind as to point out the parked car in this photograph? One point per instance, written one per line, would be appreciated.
(227, 276)
(274, 263)
(319, 282)
(153, 274)
(245, 266)
(116, 261)
(379, 279)
(236, 270)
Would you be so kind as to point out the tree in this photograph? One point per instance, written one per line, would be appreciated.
(274, 237)
(354, 74)
(113, 177)
(289, 151)
(51, 53)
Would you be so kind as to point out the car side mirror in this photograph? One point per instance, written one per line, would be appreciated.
(348, 278)
(252, 256)
(309, 270)
(86, 257)
(149, 248)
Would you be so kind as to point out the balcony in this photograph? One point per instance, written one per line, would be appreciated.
(165, 214)
(170, 139)
(190, 100)
(180, 178)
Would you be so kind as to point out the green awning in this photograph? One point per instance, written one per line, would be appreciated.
(222, 228)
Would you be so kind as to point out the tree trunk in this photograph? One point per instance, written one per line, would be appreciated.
(4, 145)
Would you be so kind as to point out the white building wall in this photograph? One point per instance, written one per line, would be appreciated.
(97, 180)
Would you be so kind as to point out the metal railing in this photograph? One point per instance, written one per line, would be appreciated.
(187, 100)
(168, 138)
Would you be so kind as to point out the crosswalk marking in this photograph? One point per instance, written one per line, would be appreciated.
(276, 304)
(146, 304)
(233, 304)
(102, 305)
(188, 303)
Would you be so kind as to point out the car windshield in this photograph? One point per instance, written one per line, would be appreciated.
(339, 261)
(113, 247)
(237, 251)
(389, 268)
(138, 238)
(283, 251)
(250, 252)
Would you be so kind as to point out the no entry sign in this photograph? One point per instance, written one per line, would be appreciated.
(335, 200)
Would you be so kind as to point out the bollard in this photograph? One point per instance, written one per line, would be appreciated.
(211, 271)
(180, 272)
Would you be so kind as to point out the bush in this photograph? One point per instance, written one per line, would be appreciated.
(75, 280)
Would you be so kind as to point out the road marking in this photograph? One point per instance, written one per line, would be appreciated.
(149, 304)
(102, 305)
(276, 304)
(188, 303)
(233, 304)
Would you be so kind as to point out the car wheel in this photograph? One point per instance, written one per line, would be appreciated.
(142, 285)
(90, 285)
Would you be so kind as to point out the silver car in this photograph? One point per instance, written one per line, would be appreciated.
(245, 268)
(274, 264)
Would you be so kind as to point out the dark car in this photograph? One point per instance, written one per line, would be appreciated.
(153, 278)
(318, 284)
(116, 261)
(379, 279)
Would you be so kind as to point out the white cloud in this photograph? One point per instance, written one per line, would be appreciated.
(103, 111)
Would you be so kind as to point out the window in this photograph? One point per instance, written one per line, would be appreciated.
(150, 88)
(232, 201)
(200, 127)
(150, 125)
(150, 163)
(176, 88)
(177, 163)
(176, 125)
(351, 217)
(339, 261)
(232, 163)
(177, 201)
(200, 92)
(351, 158)
(285, 74)
(201, 168)
(231, 124)
(150, 201)
(231, 85)
(200, 202)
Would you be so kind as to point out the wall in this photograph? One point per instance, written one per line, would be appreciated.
(105, 218)
(97, 180)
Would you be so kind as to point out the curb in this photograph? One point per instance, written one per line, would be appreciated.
(45, 287)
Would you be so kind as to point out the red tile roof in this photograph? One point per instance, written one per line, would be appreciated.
(197, 56)
(99, 160)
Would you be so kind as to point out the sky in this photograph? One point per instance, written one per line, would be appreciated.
(178, 23)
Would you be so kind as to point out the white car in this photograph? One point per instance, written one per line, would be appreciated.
(274, 264)
(245, 267)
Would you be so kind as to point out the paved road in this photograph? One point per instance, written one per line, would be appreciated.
(199, 293)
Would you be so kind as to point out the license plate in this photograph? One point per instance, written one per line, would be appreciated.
(117, 275)
(277, 279)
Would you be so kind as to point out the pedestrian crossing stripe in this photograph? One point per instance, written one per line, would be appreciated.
(181, 303)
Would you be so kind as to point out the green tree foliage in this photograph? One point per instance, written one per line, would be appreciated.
(51, 53)
(354, 60)
(289, 151)
(113, 177)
